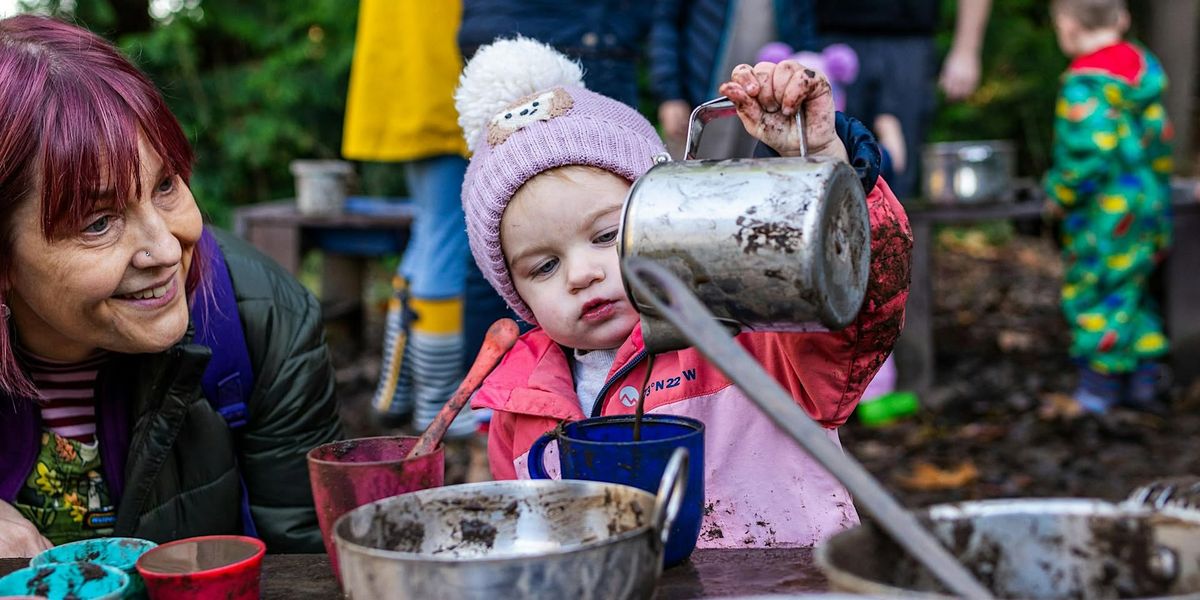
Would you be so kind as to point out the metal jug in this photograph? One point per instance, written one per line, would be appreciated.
(768, 244)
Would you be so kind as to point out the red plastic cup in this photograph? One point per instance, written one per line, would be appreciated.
(211, 566)
(346, 475)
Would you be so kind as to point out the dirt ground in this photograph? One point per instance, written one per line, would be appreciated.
(999, 423)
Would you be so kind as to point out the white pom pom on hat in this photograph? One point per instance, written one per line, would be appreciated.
(503, 72)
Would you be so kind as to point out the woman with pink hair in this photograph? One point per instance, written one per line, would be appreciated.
(114, 297)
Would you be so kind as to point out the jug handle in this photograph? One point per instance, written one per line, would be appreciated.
(536, 455)
(719, 108)
(671, 489)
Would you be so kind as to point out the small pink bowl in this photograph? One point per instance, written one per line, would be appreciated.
(213, 566)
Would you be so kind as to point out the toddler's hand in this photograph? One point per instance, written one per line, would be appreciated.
(768, 95)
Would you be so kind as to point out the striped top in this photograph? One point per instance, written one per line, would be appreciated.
(67, 394)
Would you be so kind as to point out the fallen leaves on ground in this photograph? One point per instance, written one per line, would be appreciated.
(972, 242)
(1057, 405)
(1012, 340)
(1040, 262)
(926, 477)
(992, 407)
(982, 432)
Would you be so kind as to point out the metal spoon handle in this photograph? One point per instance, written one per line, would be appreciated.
(671, 489)
(671, 298)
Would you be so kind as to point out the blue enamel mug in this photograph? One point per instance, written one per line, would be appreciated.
(602, 449)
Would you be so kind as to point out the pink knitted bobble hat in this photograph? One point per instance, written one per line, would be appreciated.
(523, 109)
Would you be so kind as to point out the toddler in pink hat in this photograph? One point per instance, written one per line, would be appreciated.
(552, 165)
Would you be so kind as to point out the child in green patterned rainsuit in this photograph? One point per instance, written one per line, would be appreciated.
(1110, 181)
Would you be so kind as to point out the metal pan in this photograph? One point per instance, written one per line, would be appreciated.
(512, 539)
(1032, 548)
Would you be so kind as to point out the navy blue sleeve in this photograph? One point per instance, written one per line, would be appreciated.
(666, 65)
(796, 24)
(861, 149)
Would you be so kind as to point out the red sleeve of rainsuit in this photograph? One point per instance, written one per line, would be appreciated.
(827, 372)
(500, 450)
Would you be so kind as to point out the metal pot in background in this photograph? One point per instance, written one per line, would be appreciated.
(769, 244)
(968, 172)
(322, 185)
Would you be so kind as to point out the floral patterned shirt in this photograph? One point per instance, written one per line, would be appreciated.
(65, 495)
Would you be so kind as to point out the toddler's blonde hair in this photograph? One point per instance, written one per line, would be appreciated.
(1091, 14)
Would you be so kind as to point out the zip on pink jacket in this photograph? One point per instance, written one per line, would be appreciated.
(761, 489)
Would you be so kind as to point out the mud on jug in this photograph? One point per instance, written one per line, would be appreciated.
(767, 244)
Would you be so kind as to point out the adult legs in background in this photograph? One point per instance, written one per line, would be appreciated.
(423, 344)
(897, 76)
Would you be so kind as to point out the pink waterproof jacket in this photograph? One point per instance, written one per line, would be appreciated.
(761, 488)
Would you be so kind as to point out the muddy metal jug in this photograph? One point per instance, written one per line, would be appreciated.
(767, 244)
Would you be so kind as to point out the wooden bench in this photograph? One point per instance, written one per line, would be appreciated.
(280, 231)
(916, 353)
(348, 239)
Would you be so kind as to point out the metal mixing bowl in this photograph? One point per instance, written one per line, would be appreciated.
(511, 539)
(1031, 548)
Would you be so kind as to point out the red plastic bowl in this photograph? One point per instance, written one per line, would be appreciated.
(212, 566)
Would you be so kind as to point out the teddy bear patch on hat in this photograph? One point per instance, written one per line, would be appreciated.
(530, 109)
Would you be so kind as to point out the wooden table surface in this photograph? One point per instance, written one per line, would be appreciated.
(708, 574)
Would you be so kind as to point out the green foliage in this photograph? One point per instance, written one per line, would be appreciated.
(1015, 100)
(254, 84)
(259, 84)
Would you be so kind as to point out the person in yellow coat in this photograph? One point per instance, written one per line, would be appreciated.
(401, 109)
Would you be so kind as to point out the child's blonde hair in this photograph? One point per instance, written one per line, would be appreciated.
(1091, 14)
(569, 174)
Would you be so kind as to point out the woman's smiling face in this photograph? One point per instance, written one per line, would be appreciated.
(118, 283)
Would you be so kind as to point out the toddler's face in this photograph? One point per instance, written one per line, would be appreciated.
(1066, 31)
(559, 237)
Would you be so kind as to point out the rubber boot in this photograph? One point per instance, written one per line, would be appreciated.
(393, 399)
(435, 349)
(1097, 392)
(1145, 392)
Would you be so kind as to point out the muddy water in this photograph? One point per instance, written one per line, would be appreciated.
(640, 412)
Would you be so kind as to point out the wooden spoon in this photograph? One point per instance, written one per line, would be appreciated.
(500, 338)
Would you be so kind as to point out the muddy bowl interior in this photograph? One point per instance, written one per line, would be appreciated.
(559, 539)
(1031, 548)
